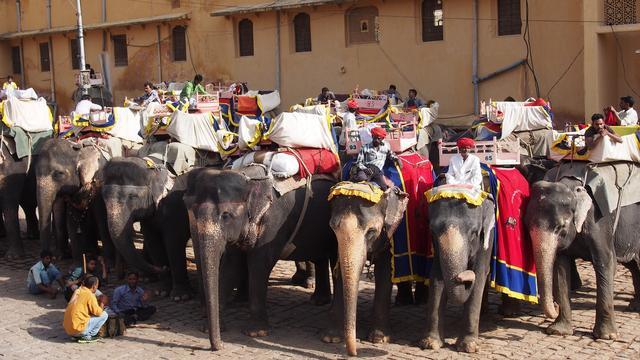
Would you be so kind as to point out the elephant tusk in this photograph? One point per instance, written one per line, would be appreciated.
(467, 276)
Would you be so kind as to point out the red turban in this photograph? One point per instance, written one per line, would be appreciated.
(465, 143)
(379, 132)
(352, 104)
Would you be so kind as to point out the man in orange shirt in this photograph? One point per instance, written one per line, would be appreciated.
(84, 317)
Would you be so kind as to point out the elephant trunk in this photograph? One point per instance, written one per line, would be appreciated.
(352, 254)
(121, 232)
(211, 250)
(544, 244)
(453, 257)
(46, 195)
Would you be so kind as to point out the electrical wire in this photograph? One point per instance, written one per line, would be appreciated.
(564, 73)
(526, 36)
(186, 34)
(624, 67)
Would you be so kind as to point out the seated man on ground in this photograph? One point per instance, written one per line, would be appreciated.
(130, 301)
(627, 115)
(372, 158)
(84, 315)
(464, 168)
(42, 275)
(598, 131)
(85, 106)
(150, 95)
(77, 275)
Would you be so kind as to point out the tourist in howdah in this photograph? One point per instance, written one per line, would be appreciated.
(326, 96)
(130, 301)
(43, 275)
(598, 131)
(413, 101)
(348, 120)
(150, 95)
(191, 88)
(394, 96)
(85, 106)
(372, 158)
(464, 168)
(627, 115)
(85, 315)
(9, 85)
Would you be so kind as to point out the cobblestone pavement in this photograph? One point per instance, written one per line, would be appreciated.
(31, 326)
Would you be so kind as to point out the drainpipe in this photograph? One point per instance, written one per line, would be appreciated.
(104, 20)
(159, 55)
(476, 84)
(81, 38)
(278, 64)
(52, 71)
(19, 21)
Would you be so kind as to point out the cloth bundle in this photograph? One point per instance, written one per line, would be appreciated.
(518, 117)
(30, 115)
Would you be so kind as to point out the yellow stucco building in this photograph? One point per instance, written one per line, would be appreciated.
(454, 51)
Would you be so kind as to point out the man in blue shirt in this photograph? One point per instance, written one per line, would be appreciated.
(129, 301)
(42, 275)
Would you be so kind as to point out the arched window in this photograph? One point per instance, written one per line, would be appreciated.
(245, 37)
(361, 25)
(302, 32)
(432, 20)
(179, 43)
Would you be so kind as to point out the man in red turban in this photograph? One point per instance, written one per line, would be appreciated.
(349, 120)
(372, 158)
(464, 168)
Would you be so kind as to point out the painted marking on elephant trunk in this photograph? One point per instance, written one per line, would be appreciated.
(545, 244)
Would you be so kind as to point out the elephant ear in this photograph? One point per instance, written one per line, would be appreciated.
(582, 206)
(397, 201)
(160, 184)
(258, 202)
(488, 222)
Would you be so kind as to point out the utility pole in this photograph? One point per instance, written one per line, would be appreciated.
(81, 41)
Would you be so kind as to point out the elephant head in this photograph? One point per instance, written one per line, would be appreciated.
(556, 213)
(460, 231)
(62, 169)
(225, 208)
(131, 191)
(362, 227)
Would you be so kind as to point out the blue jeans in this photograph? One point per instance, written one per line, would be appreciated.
(94, 325)
(48, 277)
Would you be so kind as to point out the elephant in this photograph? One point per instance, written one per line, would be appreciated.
(17, 188)
(135, 191)
(462, 236)
(363, 230)
(240, 209)
(68, 181)
(565, 224)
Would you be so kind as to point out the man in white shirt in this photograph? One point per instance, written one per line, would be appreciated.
(348, 121)
(85, 106)
(464, 168)
(628, 115)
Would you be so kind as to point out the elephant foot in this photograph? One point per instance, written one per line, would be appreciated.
(421, 294)
(404, 299)
(430, 342)
(178, 294)
(560, 328)
(257, 330)
(300, 278)
(332, 336)
(310, 283)
(510, 307)
(162, 293)
(605, 332)
(320, 299)
(634, 305)
(32, 234)
(467, 344)
(378, 336)
(14, 253)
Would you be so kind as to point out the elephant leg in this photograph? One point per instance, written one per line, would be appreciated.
(154, 253)
(12, 226)
(260, 265)
(405, 293)
(381, 331)
(304, 275)
(421, 293)
(60, 226)
(175, 248)
(232, 276)
(3, 230)
(436, 306)
(468, 339)
(605, 267)
(99, 218)
(510, 306)
(322, 292)
(334, 332)
(561, 285)
(29, 203)
(576, 282)
(634, 269)
(76, 235)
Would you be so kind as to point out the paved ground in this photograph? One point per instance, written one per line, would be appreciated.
(30, 327)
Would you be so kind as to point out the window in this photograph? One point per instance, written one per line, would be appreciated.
(618, 12)
(179, 43)
(44, 57)
(509, 21)
(120, 55)
(302, 30)
(15, 60)
(245, 37)
(361, 25)
(432, 22)
(75, 54)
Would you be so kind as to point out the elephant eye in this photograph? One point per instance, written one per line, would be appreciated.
(226, 216)
(57, 174)
(372, 233)
(133, 196)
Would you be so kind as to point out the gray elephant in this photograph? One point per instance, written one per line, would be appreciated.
(241, 210)
(565, 223)
(67, 176)
(462, 236)
(135, 191)
(363, 230)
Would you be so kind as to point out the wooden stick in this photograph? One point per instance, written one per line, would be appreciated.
(84, 263)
